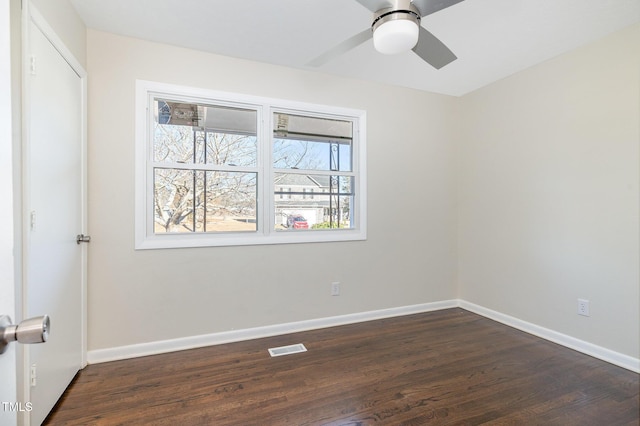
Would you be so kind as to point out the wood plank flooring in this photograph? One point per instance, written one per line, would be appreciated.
(444, 367)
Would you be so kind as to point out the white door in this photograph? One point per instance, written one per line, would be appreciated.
(7, 297)
(55, 216)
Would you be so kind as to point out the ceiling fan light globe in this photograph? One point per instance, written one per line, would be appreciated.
(395, 36)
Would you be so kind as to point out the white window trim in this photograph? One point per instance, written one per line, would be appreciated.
(266, 234)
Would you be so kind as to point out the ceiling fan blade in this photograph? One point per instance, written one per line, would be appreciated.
(341, 48)
(432, 50)
(376, 5)
(427, 7)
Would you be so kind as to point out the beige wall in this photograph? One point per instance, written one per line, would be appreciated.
(64, 20)
(549, 205)
(144, 296)
(520, 197)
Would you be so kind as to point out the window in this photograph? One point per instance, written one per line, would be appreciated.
(216, 169)
(312, 153)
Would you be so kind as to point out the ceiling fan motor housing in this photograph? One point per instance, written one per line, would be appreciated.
(396, 29)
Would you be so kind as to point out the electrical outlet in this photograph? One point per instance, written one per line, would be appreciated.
(335, 289)
(583, 307)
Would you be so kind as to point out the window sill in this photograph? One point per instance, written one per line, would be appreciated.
(170, 241)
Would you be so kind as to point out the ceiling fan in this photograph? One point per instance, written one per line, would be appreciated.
(395, 29)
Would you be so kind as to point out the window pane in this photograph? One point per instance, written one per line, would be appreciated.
(193, 133)
(204, 201)
(232, 201)
(312, 201)
(311, 155)
(173, 200)
(312, 143)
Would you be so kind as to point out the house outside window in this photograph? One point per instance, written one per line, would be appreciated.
(213, 169)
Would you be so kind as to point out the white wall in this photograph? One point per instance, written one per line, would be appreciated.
(549, 206)
(144, 296)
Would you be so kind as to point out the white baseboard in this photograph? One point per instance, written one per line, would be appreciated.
(587, 348)
(164, 346)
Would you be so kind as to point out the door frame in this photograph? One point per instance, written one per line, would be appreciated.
(8, 213)
(31, 16)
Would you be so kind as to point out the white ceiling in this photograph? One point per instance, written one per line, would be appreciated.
(492, 38)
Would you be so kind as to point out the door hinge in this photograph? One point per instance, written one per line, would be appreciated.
(33, 375)
(32, 65)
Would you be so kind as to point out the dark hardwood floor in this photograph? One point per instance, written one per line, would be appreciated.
(444, 367)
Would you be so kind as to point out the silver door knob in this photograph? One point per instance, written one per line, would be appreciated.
(32, 330)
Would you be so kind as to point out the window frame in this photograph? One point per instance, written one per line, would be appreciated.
(146, 238)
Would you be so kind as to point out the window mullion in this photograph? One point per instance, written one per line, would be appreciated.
(204, 167)
(268, 189)
(204, 184)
